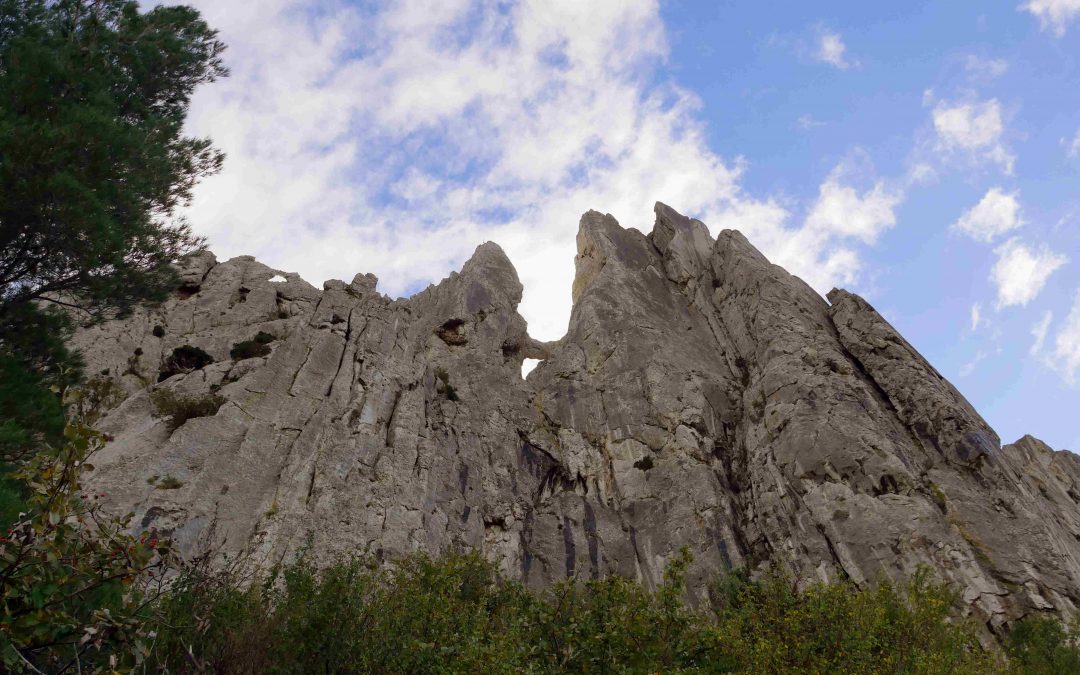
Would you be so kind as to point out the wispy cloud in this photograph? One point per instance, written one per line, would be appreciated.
(1055, 15)
(1021, 272)
(984, 69)
(1038, 331)
(1066, 355)
(831, 49)
(976, 316)
(1072, 146)
(969, 367)
(996, 213)
(807, 122)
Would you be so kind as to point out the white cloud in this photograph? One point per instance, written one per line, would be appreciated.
(982, 69)
(1055, 15)
(976, 316)
(974, 130)
(1066, 356)
(365, 140)
(831, 49)
(1039, 330)
(821, 250)
(996, 213)
(1021, 272)
(395, 140)
(807, 122)
(841, 210)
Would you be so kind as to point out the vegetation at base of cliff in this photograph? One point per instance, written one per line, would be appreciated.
(1040, 644)
(454, 614)
(80, 594)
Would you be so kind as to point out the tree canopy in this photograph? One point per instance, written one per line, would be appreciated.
(93, 159)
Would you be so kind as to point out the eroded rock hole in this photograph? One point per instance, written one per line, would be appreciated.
(451, 332)
(528, 365)
(187, 290)
(511, 348)
(184, 359)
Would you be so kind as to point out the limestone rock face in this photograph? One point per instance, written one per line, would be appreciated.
(701, 397)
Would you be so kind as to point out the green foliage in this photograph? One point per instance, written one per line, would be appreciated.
(264, 338)
(443, 386)
(95, 397)
(834, 627)
(170, 483)
(454, 615)
(93, 161)
(70, 577)
(30, 412)
(249, 349)
(180, 408)
(184, 359)
(1040, 645)
(35, 365)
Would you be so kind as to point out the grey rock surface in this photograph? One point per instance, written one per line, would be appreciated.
(701, 397)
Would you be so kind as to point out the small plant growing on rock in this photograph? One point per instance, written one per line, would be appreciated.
(169, 483)
(184, 359)
(180, 408)
(443, 386)
(95, 398)
(264, 338)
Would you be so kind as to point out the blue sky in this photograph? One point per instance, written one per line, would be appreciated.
(925, 155)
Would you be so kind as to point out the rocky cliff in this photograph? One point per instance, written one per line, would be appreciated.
(701, 396)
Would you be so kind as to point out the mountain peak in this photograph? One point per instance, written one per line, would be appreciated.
(702, 397)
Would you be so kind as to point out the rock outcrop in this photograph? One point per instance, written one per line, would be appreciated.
(701, 397)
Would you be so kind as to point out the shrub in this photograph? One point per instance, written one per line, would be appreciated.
(96, 397)
(179, 408)
(73, 581)
(454, 614)
(248, 349)
(836, 627)
(184, 360)
(264, 338)
(1041, 645)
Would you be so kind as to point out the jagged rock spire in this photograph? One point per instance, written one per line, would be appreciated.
(701, 397)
